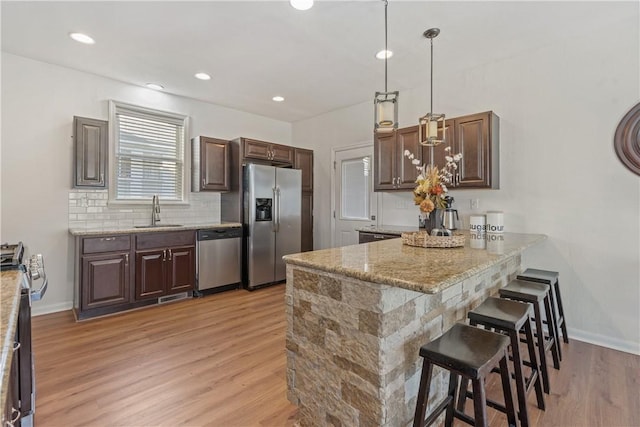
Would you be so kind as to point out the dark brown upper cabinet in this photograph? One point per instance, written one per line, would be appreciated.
(90, 137)
(393, 170)
(210, 163)
(477, 137)
(261, 150)
(303, 160)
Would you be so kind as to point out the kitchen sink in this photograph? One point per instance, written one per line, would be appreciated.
(158, 226)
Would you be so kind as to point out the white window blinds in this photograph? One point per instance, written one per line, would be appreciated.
(149, 155)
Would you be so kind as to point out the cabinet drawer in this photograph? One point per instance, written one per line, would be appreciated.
(92, 245)
(164, 240)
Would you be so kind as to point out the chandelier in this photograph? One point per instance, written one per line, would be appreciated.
(431, 130)
(385, 103)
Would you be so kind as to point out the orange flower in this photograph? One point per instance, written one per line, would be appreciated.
(437, 190)
(427, 206)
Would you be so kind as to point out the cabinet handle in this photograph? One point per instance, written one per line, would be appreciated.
(15, 418)
(102, 178)
(107, 239)
(393, 182)
(169, 254)
(16, 346)
(164, 255)
(126, 259)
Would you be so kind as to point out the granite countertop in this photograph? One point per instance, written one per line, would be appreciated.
(427, 270)
(131, 229)
(10, 284)
(388, 229)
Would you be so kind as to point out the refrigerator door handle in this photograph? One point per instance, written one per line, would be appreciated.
(277, 209)
(274, 221)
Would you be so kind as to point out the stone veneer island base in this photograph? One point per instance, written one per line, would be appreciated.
(357, 316)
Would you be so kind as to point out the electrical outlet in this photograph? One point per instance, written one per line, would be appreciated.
(474, 203)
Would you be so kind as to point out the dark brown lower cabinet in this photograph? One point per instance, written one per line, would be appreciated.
(124, 271)
(105, 280)
(162, 272)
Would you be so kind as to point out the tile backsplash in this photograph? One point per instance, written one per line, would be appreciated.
(90, 209)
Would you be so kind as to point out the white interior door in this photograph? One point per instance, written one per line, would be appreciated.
(355, 203)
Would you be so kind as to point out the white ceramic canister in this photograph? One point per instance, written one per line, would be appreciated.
(495, 222)
(477, 240)
(495, 243)
(477, 224)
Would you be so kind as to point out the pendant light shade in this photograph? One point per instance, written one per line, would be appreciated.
(385, 103)
(431, 126)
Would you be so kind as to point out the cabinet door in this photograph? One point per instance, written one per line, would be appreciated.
(214, 164)
(303, 160)
(384, 169)
(477, 143)
(256, 149)
(407, 139)
(105, 280)
(90, 140)
(151, 273)
(281, 153)
(182, 269)
(307, 222)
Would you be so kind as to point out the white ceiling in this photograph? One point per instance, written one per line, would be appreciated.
(319, 60)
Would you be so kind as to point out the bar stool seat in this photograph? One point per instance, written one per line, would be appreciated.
(471, 353)
(551, 278)
(538, 295)
(511, 317)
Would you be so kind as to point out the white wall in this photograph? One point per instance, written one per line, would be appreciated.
(558, 108)
(39, 101)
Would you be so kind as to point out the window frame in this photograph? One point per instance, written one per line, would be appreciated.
(113, 145)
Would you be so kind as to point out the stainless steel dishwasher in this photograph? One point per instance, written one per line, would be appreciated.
(219, 259)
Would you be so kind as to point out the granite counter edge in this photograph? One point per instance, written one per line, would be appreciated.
(134, 230)
(409, 285)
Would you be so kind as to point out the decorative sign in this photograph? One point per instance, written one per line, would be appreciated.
(627, 140)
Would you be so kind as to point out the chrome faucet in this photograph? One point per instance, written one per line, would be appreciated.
(155, 210)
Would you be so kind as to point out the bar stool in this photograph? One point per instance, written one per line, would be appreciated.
(538, 295)
(551, 278)
(471, 353)
(510, 317)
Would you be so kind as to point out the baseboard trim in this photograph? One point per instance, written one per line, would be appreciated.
(604, 341)
(39, 310)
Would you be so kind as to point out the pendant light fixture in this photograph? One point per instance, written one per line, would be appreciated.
(386, 103)
(431, 128)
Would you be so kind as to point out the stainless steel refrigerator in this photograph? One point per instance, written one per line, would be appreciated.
(272, 219)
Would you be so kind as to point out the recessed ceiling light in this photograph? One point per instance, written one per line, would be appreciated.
(203, 76)
(154, 86)
(301, 4)
(278, 98)
(384, 53)
(82, 38)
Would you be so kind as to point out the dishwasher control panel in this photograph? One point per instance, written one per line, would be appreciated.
(220, 233)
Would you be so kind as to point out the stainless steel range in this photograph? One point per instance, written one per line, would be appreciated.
(34, 286)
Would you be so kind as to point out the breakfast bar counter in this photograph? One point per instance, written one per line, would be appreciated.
(357, 316)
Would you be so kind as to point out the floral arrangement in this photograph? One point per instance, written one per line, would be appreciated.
(432, 183)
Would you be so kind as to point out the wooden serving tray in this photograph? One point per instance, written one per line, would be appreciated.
(425, 240)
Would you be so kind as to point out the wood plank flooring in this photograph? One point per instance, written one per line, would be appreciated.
(220, 361)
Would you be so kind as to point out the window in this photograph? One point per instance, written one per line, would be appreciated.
(149, 153)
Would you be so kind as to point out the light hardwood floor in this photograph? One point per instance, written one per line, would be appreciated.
(220, 361)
